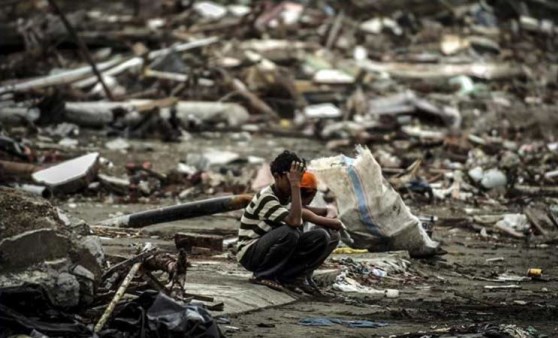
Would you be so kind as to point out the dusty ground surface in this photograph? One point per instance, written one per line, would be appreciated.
(437, 294)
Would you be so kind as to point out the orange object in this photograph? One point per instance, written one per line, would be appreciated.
(309, 181)
(534, 273)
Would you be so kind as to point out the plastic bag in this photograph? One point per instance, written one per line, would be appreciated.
(375, 215)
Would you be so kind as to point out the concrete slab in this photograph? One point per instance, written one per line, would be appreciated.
(240, 296)
(227, 282)
(31, 247)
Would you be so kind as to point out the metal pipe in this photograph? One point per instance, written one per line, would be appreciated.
(182, 211)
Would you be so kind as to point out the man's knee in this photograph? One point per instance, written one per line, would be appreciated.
(290, 235)
(320, 237)
(334, 236)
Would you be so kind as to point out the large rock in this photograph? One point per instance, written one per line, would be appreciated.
(37, 248)
(65, 290)
(62, 288)
(21, 251)
(87, 284)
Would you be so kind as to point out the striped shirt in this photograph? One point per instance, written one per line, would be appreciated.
(262, 214)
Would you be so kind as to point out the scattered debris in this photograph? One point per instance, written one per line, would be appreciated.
(143, 113)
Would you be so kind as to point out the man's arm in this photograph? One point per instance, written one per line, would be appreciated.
(330, 223)
(294, 218)
(318, 211)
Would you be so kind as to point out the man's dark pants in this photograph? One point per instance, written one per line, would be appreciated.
(286, 253)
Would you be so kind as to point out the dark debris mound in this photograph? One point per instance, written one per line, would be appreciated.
(20, 212)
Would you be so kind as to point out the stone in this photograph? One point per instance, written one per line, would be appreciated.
(80, 228)
(62, 289)
(90, 254)
(494, 178)
(65, 291)
(86, 281)
(21, 251)
(82, 272)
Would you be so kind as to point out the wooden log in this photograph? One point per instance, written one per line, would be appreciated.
(487, 71)
(74, 75)
(18, 168)
(99, 113)
(65, 77)
(535, 191)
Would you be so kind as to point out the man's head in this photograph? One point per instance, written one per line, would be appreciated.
(280, 166)
(308, 187)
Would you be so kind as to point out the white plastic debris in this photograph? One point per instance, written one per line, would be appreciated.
(71, 175)
(290, 14)
(376, 25)
(117, 144)
(347, 284)
(518, 222)
(451, 44)
(322, 111)
(238, 10)
(494, 178)
(360, 53)
(211, 157)
(68, 142)
(210, 10)
(465, 83)
(333, 76)
(476, 174)
(490, 179)
(156, 23)
(372, 26)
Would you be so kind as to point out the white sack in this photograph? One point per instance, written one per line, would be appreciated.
(373, 212)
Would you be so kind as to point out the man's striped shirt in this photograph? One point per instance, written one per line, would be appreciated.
(262, 214)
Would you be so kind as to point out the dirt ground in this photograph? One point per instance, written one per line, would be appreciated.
(439, 294)
(452, 295)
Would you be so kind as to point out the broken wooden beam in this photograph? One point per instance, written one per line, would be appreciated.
(65, 77)
(187, 241)
(18, 168)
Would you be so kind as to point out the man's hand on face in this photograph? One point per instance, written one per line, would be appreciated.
(295, 173)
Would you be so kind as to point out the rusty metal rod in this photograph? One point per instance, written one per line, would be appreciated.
(18, 168)
(182, 211)
(82, 47)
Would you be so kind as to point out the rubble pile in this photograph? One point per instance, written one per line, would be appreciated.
(456, 101)
(64, 268)
(466, 88)
(39, 247)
